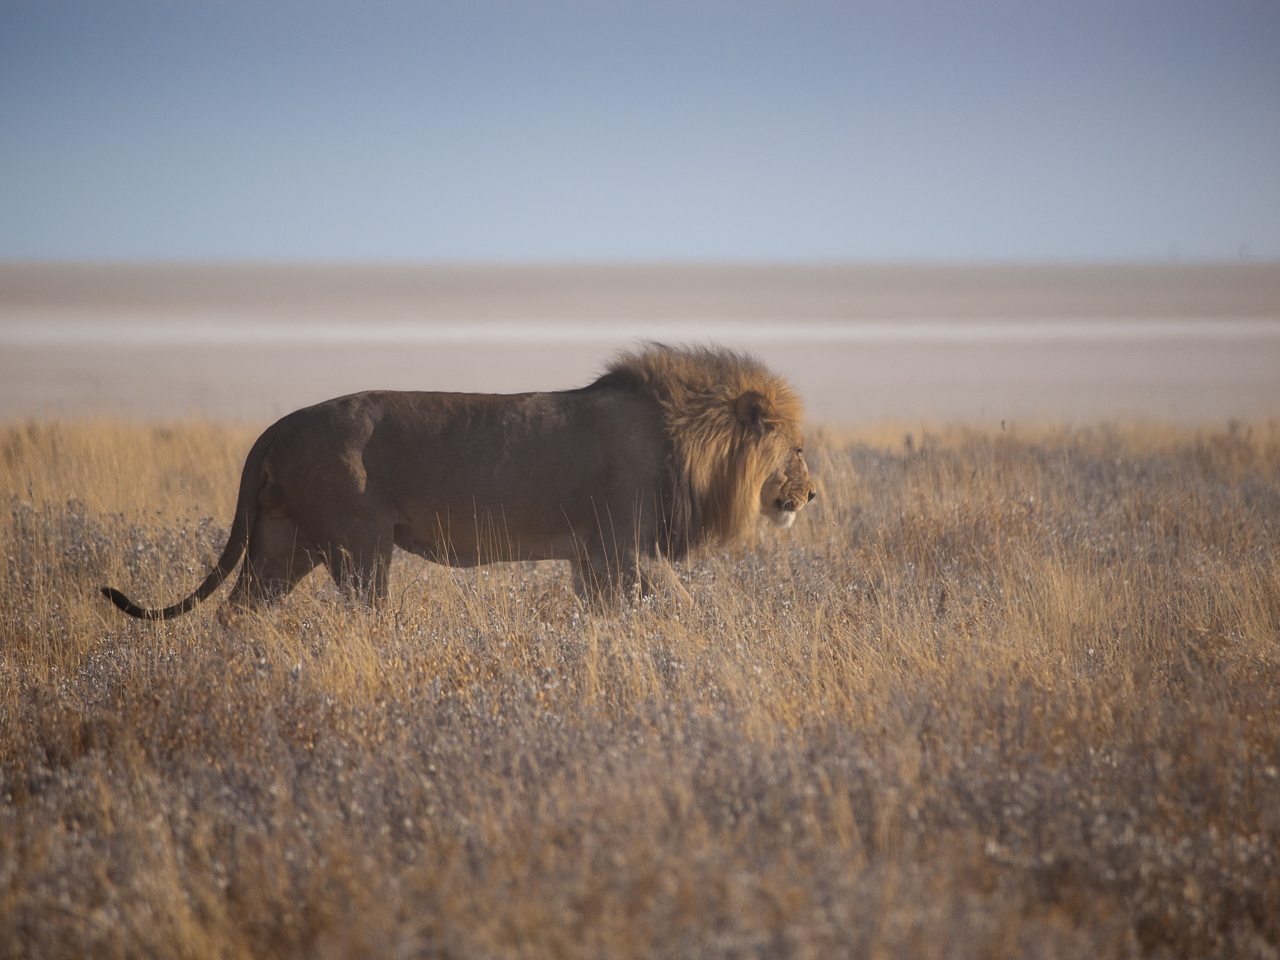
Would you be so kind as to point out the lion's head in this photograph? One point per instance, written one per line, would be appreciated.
(787, 489)
(734, 427)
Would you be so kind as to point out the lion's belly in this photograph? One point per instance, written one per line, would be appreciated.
(481, 541)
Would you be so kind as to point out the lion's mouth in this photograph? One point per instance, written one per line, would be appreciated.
(782, 514)
(783, 518)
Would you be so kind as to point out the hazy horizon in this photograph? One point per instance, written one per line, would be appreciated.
(1183, 343)
(614, 131)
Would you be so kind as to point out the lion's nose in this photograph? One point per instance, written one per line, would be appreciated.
(778, 503)
(812, 494)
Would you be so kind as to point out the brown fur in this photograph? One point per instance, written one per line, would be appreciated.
(669, 449)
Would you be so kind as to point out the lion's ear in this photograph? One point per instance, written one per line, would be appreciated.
(752, 408)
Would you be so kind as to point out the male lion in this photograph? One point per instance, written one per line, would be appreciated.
(668, 449)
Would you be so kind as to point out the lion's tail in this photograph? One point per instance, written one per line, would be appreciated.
(237, 540)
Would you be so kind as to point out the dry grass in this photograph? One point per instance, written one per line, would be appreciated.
(998, 695)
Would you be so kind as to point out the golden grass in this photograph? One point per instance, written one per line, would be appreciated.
(1000, 694)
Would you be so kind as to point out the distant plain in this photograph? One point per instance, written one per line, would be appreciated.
(1188, 343)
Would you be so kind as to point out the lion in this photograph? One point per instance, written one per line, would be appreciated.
(669, 449)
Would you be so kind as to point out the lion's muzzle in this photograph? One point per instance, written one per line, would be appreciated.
(792, 504)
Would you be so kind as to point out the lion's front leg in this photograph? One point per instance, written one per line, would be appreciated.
(587, 581)
(600, 580)
(659, 577)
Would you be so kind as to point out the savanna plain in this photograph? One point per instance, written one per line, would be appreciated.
(997, 693)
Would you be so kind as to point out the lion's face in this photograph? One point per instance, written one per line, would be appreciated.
(787, 489)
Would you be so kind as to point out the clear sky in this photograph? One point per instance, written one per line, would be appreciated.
(607, 129)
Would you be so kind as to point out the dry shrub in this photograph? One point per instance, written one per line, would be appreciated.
(996, 694)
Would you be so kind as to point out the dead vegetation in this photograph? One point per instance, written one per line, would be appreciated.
(997, 694)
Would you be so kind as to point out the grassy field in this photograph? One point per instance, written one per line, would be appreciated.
(1006, 694)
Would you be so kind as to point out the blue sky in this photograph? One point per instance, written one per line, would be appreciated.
(604, 130)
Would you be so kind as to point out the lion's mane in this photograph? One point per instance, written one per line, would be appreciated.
(719, 454)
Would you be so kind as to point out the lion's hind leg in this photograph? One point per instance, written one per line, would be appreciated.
(360, 563)
(277, 559)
